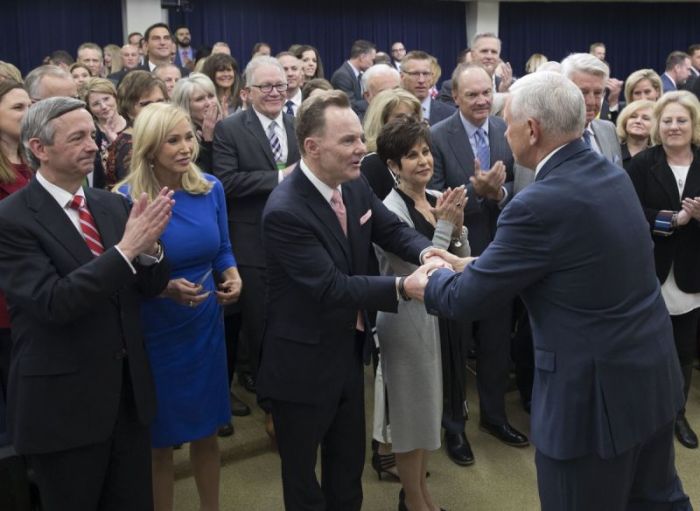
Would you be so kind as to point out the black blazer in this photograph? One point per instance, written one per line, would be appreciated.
(439, 111)
(318, 281)
(656, 187)
(344, 79)
(72, 314)
(244, 163)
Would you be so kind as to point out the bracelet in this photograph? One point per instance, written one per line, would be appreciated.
(402, 289)
(674, 221)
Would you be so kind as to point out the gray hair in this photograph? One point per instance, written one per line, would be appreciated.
(258, 62)
(584, 63)
(552, 65)
(34, 79)
(553, 100)
(485, 35)
(182, 93)
(37, 123)
(378, 70)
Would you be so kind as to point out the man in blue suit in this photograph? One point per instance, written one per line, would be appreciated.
(318, 226)
(677, 71)
(575, 245)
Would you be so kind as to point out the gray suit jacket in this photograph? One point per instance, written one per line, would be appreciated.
(606, 137)
(244, 163)
(454, 165)
(344, 79)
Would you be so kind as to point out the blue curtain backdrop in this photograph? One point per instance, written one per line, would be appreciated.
(437, 27)
(636, 35)
(30, 30)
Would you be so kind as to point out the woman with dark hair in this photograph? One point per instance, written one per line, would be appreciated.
(410, 339)
(667, 180)
(311, 64)
(222, 69)
(14, 175)
(136, 91)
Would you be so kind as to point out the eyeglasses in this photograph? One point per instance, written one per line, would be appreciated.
(394, 50)
(267, 88)
(417, 74)
(144, 104)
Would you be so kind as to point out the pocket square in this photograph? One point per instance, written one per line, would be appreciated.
(365, 217)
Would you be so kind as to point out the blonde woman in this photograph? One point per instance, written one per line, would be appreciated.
(634, 128)
(112, 60)
(643, 84)
(387, 105)
(183, 327)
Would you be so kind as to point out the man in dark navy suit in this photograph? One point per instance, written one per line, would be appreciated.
(575, 245)
(318, 226)
(348, 76)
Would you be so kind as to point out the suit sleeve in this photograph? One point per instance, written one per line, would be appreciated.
(227, 168)
(637, 169)
(344, 82)
(518, 256)
(307, 263)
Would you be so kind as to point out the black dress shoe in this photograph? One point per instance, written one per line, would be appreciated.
(238, 407)
(247, 382)
(685, 434)
(505, 433)
(226, 430)
(458, 449)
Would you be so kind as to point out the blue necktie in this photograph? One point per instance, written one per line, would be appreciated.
(482, 149)
(289, 104)
(587, 138)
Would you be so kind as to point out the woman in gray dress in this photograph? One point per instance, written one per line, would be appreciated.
(410, 339)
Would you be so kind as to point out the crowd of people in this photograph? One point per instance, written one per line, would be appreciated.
(170, 218)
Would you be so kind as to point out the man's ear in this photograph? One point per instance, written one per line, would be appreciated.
(38, 149)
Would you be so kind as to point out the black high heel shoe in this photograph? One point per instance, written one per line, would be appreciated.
(402, 501)
(383, 463)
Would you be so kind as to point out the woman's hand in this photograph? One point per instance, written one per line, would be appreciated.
(450, 207)
(185, 292)
(691, 207)
(211, 117)
(230, 288)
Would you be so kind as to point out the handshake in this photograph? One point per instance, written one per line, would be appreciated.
(434, 259)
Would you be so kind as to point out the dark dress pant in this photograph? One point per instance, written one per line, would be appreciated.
(114, 475)
(642, 479)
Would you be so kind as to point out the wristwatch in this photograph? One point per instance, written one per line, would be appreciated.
(458, 242)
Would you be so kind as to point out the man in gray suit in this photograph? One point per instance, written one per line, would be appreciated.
(253, 151)
(590, 74)
(464, 144)
(348, 76)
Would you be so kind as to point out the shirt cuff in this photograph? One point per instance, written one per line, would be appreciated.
(502, 202)
(280, 176)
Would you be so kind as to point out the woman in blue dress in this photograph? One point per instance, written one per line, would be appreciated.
(184, 327)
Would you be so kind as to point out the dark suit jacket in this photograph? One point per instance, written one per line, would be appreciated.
(178, 61)
(244, 163)
(445, 95)
(72, 314)
(454, 165)
(656, 187)
(439, 111)
(344, 79)
(607, 374)
(317, 283)
(145, 67)
(668, 85)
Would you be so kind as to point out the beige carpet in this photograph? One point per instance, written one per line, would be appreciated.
(502, 479)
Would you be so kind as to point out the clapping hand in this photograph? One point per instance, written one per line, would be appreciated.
(211, 116)
(145, 224)
(489, 183)
(691, 206)
(506, 77)
(450, 207)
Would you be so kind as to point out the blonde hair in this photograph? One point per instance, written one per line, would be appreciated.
(98, 85)
(534, 62)
(151, 128)
(10, 71)
(634, 106)
(381, 107)
(639, 75)
(115, 52)
(685, 99)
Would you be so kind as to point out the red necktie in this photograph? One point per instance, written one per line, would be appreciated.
(87, 225)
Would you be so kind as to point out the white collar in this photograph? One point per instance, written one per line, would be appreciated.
(325, 190)
(266, 121)
(547, 158)
(61, 196)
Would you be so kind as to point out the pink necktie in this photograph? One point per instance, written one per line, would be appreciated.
(87, 225)
(339, 210)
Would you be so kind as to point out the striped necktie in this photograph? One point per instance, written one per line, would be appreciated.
(483, 153)
(274, 142)
(87, 225)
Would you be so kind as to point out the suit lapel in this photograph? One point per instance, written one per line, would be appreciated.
(459, 142)
(352, 206)
(56, 222)
(692, 182)
(664, 175)
(293, 155)
(322, 210)
(252, 124)
(496, 142)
